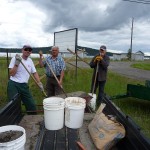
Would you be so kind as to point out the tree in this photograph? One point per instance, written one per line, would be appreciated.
(129, 54)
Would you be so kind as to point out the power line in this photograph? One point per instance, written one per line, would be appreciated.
(138, 1)
(143, 0)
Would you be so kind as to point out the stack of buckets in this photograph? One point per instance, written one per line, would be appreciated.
(56, 107)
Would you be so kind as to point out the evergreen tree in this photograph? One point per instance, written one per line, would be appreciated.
(129, 54)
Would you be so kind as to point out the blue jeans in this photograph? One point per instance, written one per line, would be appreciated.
(101, 85)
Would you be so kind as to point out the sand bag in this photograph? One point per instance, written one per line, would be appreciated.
(105, 130)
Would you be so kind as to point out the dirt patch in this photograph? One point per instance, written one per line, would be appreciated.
(10, 136)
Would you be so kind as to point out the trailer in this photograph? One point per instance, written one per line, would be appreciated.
(136, 91)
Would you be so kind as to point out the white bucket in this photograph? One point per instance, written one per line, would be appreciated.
(18, 144)
(74, 112)
(93, 101)
(54, 113)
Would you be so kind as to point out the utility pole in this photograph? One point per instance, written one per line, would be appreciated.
(131, 39)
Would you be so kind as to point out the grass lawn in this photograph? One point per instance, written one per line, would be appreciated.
(142, 65)
(3, 81)
(138, 110)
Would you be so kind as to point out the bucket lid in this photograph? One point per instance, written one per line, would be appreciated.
(75, 102)
(54, 101)
(75, 106)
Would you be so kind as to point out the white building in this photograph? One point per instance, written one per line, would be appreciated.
(119, 56)
(81, 54)
(138, 56)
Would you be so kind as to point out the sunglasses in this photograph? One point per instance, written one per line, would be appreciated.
(28, 49)
(102, 50)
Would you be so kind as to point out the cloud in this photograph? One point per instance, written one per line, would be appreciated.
(99, 22)
(22, 23)
(90, 15)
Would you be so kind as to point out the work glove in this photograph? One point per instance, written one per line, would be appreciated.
(98, 58)
(41, 86)
(18, 60)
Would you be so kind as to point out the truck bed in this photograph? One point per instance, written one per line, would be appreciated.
(38, 138)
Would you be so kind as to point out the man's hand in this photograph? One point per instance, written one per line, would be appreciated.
(41, 86)
(98, 58)
(60, 83)
(41, 54)
(18, 60)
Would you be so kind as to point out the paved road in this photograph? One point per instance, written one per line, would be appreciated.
(124, 68)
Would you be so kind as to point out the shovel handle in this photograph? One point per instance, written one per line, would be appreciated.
(95, 77)
(80, 146)
(32, 77)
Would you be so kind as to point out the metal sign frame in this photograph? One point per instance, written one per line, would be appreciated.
(75, 41)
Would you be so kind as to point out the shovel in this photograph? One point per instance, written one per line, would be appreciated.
(93, 100)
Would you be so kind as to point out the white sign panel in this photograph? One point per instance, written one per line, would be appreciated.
(66, 39)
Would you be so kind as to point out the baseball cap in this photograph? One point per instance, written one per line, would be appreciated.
(27, 46)
(103, 47)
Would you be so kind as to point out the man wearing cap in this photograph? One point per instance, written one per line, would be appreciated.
(19, 78)
(101, 61)
(57, 65)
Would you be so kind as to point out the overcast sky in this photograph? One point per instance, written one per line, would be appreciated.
(99, 22)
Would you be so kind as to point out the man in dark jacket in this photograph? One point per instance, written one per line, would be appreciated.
(100, 63)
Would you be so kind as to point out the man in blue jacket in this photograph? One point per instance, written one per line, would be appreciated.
(101, 60)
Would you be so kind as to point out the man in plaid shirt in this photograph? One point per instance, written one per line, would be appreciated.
(57, 64)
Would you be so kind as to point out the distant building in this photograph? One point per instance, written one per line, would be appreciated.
(119, 56)
(138, 56)
(146, 57)
(116, 56)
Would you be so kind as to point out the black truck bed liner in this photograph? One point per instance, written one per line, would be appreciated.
(63, 139)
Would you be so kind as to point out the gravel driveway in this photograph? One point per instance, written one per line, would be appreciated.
(123, 68)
